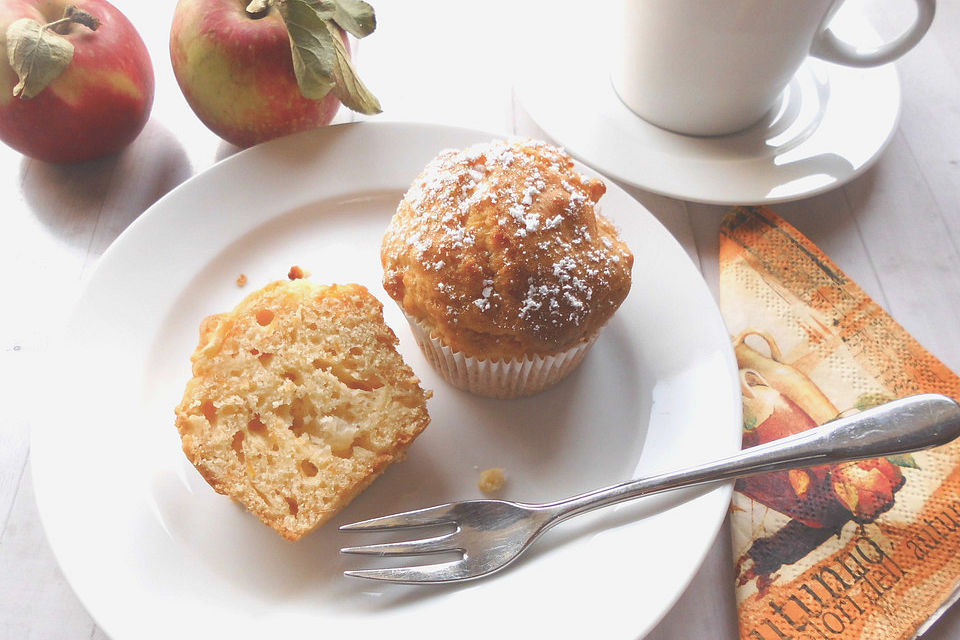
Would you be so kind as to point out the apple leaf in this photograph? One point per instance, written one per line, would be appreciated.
(312, 47)
(904, 460)
(326, 9)
(869, 400)
(349, 88)
(355, 16)
(37, 54)
(321, 61)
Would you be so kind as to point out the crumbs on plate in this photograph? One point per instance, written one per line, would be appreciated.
(296, 272)
(492, 480)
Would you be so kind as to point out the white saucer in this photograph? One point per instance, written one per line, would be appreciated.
(832, 123)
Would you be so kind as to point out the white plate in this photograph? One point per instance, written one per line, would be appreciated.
(832, 123)
(153, 552)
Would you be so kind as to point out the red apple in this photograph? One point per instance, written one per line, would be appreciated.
(236, 72)
(97, 105)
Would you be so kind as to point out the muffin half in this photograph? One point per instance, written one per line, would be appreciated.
(298, 401)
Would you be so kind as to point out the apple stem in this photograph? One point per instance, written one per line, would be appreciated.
(259, 8)
(73, 15)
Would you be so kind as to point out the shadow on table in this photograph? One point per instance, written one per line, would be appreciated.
(829, 219)
(91, 203)
(225, 150)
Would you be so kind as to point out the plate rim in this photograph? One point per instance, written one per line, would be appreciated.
(723, 492)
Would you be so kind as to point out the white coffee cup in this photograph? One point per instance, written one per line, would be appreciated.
(714, 67)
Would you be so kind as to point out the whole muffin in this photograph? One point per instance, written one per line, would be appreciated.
(504, 266)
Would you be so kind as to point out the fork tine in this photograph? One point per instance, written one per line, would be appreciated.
(437, 544)
(440, 514)
(424, 574)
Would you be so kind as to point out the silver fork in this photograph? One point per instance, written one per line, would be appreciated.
(490, 534)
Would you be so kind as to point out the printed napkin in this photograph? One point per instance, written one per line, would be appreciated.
(861, 550)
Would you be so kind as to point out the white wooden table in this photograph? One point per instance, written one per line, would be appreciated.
(895, 230)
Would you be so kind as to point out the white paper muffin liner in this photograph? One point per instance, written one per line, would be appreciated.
(498, 379)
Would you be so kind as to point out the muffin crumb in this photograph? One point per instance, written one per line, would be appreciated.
(296, 272)
(492, 480)
(242, 280)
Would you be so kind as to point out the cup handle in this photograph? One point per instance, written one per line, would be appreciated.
(829, 47)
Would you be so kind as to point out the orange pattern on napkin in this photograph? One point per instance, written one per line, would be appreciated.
(865, 550)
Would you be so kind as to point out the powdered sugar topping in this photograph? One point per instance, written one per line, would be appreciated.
(530, 189)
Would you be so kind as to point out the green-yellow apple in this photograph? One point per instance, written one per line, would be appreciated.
(97, 103)
(236, 71)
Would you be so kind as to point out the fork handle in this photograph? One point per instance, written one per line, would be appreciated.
(901, 426)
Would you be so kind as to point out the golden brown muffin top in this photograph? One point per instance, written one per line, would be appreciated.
(499, 250)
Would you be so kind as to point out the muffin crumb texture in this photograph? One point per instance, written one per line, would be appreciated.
(499, 250)
(296, 272)
(492, 480)
(298, 401)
